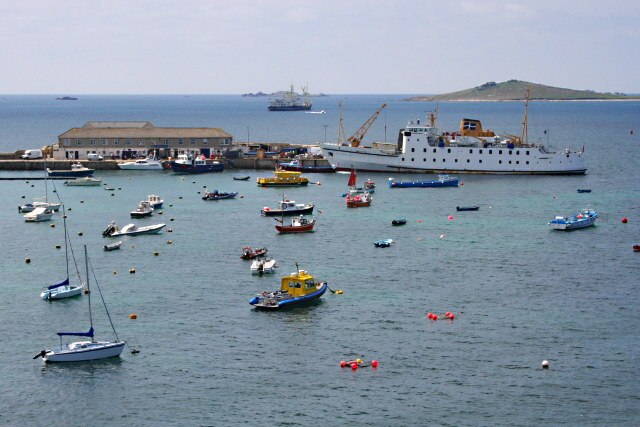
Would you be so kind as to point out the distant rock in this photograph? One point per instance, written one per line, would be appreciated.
(514, 90)
(279, 93)
(66, 98)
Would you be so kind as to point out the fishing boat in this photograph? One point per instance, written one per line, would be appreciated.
(288, 208)
(298, 166)
(297, 289)
(467, 208)
(187, 163)
(398, 221)
(63, 289)
(86, 181)
(77, 170)
(442, 181)
(149, 163)
(112, 230)
(423, 148)
(384, 243)
(92, 349)
(358, 200)
(216, 195)
(299, 224)
(584, 190)
(585, 218)
(251, 253)
(144, 209)
(263, 266)
(291, 101)
(283, 179)
(155, 201)
(38, 215)
(112, 246)
(241, 178)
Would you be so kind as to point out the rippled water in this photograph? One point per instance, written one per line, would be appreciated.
(521, 294)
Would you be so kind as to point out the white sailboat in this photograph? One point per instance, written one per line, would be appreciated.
(92, 349)
(38, 203)
(63, 289)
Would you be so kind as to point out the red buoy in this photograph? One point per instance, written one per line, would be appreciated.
(452, 316)
(430, 315)
(354, 366)
(624, 220)
(450, 217)
(447, 314)
(374, 363)
(343, 363)
(435, 317)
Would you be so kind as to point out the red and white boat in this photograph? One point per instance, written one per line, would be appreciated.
(358, 200)
(299, 224)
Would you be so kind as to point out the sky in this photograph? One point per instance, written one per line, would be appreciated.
(334, 46)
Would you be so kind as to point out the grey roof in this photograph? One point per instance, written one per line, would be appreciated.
(104, 125)
(145, 132)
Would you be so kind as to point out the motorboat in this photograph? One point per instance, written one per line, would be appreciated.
(263, 266)
(241, 178)
(442, 181)
(38, 215)
(299, 224)
(584, 190)
(298, 166)
(92, 349)
(585, 218)
(282, 178)
(77, 170)
(86, 181)
(252, 253)
(144, 209)
(29, 207)
(467, 208)
(155, 201)
(187, 163)
(288, 208)
(216, 195)
(384, 243)
(398, 221)
(149, 163)
(61, 290)
(112, 246)
(358, 200)
(297, 289)
(131, 230)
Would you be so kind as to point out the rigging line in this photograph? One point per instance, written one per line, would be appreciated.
(73, 255)
(95, 280)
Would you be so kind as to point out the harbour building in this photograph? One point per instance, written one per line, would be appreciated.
(134, 139)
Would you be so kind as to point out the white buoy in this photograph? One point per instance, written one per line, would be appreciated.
(545, 364)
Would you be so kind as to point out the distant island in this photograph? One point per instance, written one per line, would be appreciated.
(514, 90)
(280, 93)
(66, 98)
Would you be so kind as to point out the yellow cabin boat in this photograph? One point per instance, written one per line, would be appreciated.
(283, 178)
(296, 289)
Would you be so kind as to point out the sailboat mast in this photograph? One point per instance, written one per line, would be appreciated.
(66, 242)
(86, 262)
(525, 121)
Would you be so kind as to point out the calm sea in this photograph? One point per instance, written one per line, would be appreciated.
(521, 293)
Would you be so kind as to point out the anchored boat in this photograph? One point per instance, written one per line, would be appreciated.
(282, 178)
(585, 218)
(297, 289)
(442, 181)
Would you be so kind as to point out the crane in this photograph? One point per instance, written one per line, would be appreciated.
(355, 139)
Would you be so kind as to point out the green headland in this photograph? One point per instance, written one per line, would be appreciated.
(514, 90)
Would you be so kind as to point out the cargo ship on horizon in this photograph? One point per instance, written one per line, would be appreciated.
(291, 101)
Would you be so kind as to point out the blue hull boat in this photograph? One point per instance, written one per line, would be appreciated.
(274, 300)
(585, 218)
(197, 168)
(442, 181)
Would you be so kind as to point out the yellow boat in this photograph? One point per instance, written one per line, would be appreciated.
(296, 289)
(283, 178)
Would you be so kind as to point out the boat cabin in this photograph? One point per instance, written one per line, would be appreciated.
(473, 127)
(298, 284)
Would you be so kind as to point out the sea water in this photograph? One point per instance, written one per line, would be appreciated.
(521, 293)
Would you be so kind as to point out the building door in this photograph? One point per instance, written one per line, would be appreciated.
(77, 155)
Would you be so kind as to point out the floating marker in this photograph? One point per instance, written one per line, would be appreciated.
(58, 246)
(545, 364)
(79, 233)
(156, 253)
(624, 220)
(23, 197)
(354, 366)
(171, 219)
(169, 242)
(450, 217)
(27, 260)
(159, 212)
(180, 197)
(133, 316)
(442, 236)
(115, 272)
(170, 230)
(81, 201)
(343, 363)
(52, 225)
(85, 291)
(132, 271)
(374, 363)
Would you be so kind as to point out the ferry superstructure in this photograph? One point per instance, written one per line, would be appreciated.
(422, 148)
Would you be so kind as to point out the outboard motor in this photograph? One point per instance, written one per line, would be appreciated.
(109, 231)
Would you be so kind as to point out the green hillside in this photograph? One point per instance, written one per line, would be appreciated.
(513, 90)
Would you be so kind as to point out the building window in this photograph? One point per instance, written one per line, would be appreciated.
(403, 159)
(141, 143)
(193, 141)
(78, 141)
(103, 141)
(166, 141)
(226, 141)
(500, 161)
(517, 162)
(66, 142)
(527, 161)
(443, 160)
(470, 150)
(448, 150)
(424, 160)
(509, 152)
(509, 161)
(116, 141)
(93, 142)
(456, 161)
(434, 160)
(180, 141)
(527, 152)
(128, 142)
(412, 159)
(518, 153)
(413, 150)
(468, 160)
(490, 151)
(434, 150)
(480, 151)
(205, 140)
(499, 151)
(480, 160)
(424, 150)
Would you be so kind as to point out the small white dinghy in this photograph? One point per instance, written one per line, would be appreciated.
(113, 246)
(263, 266)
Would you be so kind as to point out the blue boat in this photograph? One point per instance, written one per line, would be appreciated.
(298, 166)
(297, 289)
(442, 181)
(584, 190)
(585, 218)
(77, 170)
(399, 221)
(188, 164)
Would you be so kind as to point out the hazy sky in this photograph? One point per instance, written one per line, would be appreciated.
(336, 46)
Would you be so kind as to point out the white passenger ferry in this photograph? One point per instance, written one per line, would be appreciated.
(422, 148)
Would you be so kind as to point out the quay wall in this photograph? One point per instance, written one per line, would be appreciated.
(230, 164)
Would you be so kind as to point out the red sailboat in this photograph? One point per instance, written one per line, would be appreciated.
(357, 197)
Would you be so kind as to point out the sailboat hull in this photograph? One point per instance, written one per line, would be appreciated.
(60, 293)
(85, 350)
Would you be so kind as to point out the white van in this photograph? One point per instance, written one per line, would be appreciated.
(94, 156)
(32, 154)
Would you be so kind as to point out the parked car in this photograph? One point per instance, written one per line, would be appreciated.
(94, 156)
(32, 154)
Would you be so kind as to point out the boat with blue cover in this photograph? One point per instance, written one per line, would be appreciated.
(442, 181)
(186, 163)
(297, 289)
(298, 166)
(585, 218)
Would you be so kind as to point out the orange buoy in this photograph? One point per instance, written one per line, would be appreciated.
(133, 316)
